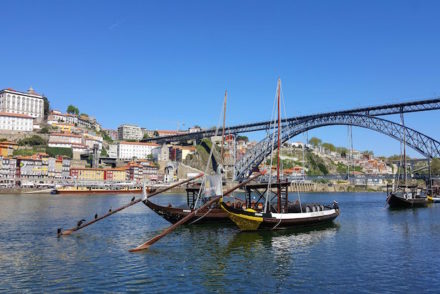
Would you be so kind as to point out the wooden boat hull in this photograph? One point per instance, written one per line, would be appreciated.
(395, 201)
(251, 220)
(174, 214)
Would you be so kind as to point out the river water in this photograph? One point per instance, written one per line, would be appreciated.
(368, 249)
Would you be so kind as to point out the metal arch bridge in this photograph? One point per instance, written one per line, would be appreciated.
(379, 110)
(425, 145)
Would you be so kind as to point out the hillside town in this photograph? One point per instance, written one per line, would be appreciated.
(44, 147)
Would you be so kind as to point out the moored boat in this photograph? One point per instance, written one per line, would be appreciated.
(433, 199)
(407, 197)
(174, 214)
(264, 213)
(92, 190)
(434, 194)
(253, 217)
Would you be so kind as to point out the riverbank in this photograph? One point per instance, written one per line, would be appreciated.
(309, 187)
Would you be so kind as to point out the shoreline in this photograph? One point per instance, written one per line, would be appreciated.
(315, 189)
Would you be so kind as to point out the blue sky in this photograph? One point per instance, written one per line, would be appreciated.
(161, 63)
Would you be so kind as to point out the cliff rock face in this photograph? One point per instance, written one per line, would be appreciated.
(200, 158)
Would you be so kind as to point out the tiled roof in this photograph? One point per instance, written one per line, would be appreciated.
(65, 135)
(15, 115)
(23, 93)
(139, 143)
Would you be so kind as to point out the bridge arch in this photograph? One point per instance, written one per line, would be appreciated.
(421, 143)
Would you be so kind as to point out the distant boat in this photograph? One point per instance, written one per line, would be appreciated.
(407, 197)
(434, 194)
(404, 195)
(433, 199)
(94, 190)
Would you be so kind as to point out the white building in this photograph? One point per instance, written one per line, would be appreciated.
(57, 116)
(297, 144)
(194, 129)
(129, 132)
(129, 150)
(90, 141)
(7, 171)
(64, 140)
(16, 122)
(112, 150)
(30, 103)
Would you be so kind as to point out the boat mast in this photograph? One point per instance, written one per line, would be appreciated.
(404, 147)
(224, 119)
(278, 149)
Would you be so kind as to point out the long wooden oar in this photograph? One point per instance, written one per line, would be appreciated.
(189, 216)
(70, 231)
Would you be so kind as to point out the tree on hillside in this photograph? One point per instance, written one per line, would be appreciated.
(46, 106)
(72, 109)
(342, 150)
(329, 146)
(34, 140)
(44, 130)
(315, 141)
(435, 166)
(242, 138)
(145, 137)
(106, 137)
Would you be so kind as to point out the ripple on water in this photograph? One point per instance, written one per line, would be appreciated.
(365, 247)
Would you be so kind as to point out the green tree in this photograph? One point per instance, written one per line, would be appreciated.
(44, 130)
(242, 138)
(46, 106)
(72, 109)
(329, 146)
(435, 166)
(34, 140)
(59, 151)
(106, 137)
(145, 137)
(104, 152)
(315, 141)
(342, 150)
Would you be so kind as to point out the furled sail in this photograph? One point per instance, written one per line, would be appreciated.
(213, 186)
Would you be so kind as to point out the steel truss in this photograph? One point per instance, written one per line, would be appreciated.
(413, 106)
(423, 144)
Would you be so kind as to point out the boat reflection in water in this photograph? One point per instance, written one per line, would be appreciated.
(282, 241)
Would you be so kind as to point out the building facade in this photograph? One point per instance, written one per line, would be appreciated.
(99, 174)
(130, 150)
(28, 103)
(129, 132)
(16, 122)
(8, 170)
